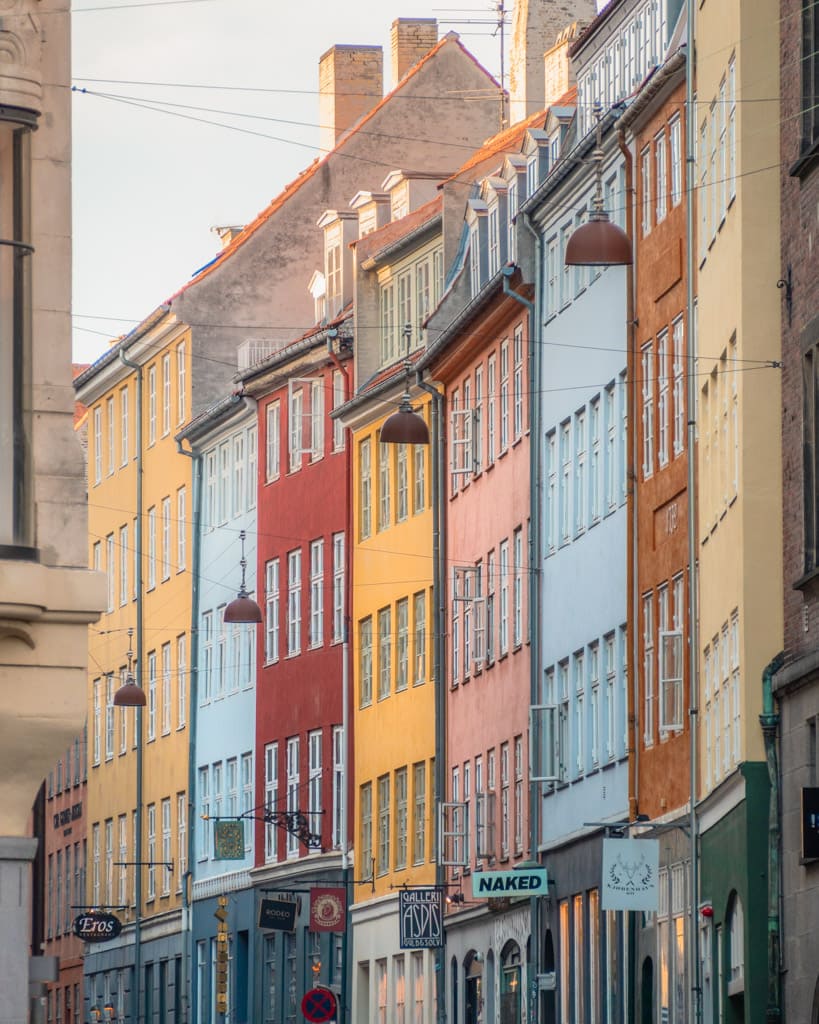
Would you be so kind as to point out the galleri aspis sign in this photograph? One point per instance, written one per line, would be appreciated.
(421, 916)
(97, 926)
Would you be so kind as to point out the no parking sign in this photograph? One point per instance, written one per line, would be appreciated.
(318, 1005)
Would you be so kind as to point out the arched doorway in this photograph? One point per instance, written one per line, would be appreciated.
(510, 984)
(647, 992)
(549, 997)
(473, 988)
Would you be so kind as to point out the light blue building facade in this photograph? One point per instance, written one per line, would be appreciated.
(223, 701)
(581, 767)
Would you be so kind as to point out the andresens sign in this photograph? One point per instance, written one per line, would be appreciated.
(517, 882)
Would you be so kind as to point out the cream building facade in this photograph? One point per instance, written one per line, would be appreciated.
(47, 595)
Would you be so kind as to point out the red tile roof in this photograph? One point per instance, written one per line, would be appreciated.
(508, 139)
(397, 229)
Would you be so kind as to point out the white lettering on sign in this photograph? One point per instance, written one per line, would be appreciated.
(531, 882)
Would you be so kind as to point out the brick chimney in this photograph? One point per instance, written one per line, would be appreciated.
(536, 26)
(351, 82)
(410, 40)
(557, 68)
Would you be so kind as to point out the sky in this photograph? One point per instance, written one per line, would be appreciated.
(170, 139)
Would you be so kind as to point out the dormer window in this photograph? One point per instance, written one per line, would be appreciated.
(494, 240)
(399, 200)
(511, 246)
(332, 269)
(474, 259)
(531, 176)
(318, 289)
(554, 149)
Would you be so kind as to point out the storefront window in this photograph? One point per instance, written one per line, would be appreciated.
(510, 984)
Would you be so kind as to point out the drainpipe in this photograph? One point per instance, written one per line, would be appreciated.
(140, 653)
(769, 720)
(437, 460)
(693, 578)
(633, 596)
(533, 596)
(346, 717)
(193, 698)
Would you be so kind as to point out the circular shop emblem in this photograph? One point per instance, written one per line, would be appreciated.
(327, 910)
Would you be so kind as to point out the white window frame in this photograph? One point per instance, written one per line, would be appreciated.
(273, 441)
(293, 602)
(317, 593)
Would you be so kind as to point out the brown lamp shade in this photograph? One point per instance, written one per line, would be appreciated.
(598, 243)
(404, 427)
(243, 609)
(129, 695)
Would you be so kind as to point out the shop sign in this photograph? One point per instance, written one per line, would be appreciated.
(97, 926)
(229, 840)
(630, 872)
(279, 915)
(517, 882)
(328, 909)
(67, 815)
(421, 918)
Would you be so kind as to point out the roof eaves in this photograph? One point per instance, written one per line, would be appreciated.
(475, 306)
(121, 345)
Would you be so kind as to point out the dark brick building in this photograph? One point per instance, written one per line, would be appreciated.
(797, 684)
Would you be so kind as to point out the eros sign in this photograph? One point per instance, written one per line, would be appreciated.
(97, 926)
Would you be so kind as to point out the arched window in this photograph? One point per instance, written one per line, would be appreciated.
(510, 987)
(736, 946)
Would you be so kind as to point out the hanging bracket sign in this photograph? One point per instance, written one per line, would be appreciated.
(421, 917)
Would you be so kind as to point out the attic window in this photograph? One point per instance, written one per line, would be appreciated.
(332, 260)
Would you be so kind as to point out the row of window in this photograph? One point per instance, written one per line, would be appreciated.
(230, 479)
(165, 853)
(407, 296)
(486, 818)
(395, 989)
(663, 618)
(228, 656)
(661, 175)
(397, 640)
(285, 959)
(71, 771)
(719, 436)
(323, 587)
(165, 709)
(305, 426)
(488, 608)
(663, 372)
(393, 822)
(489, 411)
(303, 795)
(717, 159)
(583, 721)
(161, 557)
(225, 790)
(64, 999)
(65, 887)
(586, 466)
(111, 443)
(593, 954)
(399, 482)
(562, 282)
(723, 703)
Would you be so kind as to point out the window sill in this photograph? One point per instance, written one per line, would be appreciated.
(804, 582)
(18, 553)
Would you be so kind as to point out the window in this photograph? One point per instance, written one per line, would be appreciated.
(402, 644)
(419, 796)
(551, 507)
(98, 444)
(292, 791)
(338, 401)
(400, 819)
(519, 799)
(494, 239)
(316, 420)
(122, 836)
(295, 440)
(503, 551)
(579, 670)
(661, 166)
(97, 720)
(401, 483)
(389, 324)
(271, 791)
(109, 417)
(221, 654)
(678, 369)
(204, 804)
(703, 192)
(366, 804)
(519, 417)
(580, 472)
(95, 865)
(517, 587)
(316, 593)
(611, 696)
(648, 667)
(152, 404)
(339, 785)
(736, 697)
(124, 423)
(109, 724)
(151, 695)
(271, 636)
(181, 838)
(167, 873)
(338, 587)
(504, 395)
(384, 496)
(166, 539)
(490, 607)
(365, 488)
(181, 680)
(150, 852)
(645, 178)
(314, 803)
(207, 656)
(273, 449)
(383, 852)
(419, 479)
(676, 154)
(110, 570)
(384, 653)
(662, 398)
(151, 547)
(647, 364)
(166, 689)
(181, 383)
(419, 657)
(552, 270)
(365, 663)
(238, 498)
(565, 480)
(293, 602)
(166, 394)
(505, 809)
(491, 408)
(181, 529)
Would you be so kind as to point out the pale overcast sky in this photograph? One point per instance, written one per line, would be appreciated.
(149, 185)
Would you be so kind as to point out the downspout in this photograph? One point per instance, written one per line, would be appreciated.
(633, 595)
(346, 717)
(769, 720)
(193, 697)
(691, 485)
(140, 654)
(533, 598)
(437, 460)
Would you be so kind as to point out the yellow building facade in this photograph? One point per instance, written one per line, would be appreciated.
(140, 512)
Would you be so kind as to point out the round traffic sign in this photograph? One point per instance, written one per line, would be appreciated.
(318, 1005)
